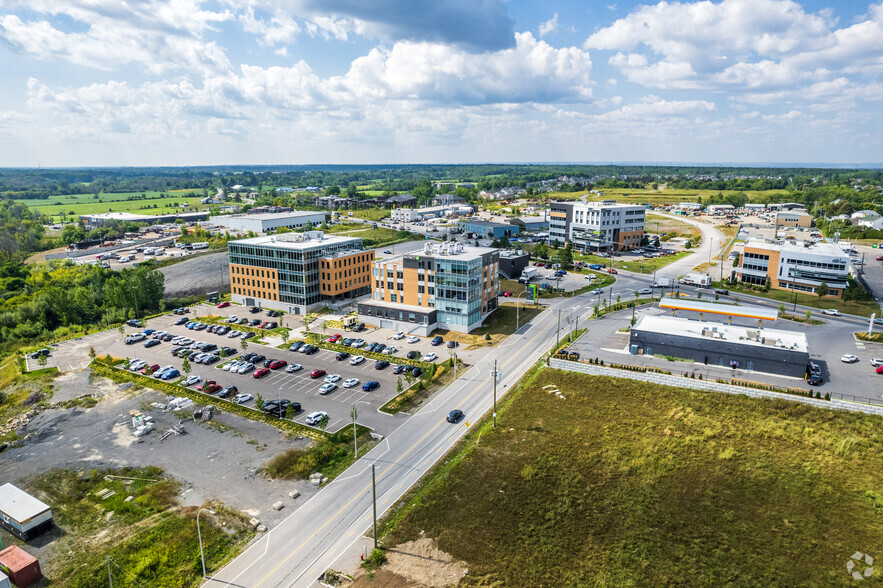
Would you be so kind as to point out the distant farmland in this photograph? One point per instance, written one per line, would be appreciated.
(135, 202)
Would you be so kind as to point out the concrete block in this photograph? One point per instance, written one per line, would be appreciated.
(294, 494)
(278, 506)
(254, 522)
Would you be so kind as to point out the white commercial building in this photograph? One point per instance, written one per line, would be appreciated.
(408, 215)
(597, 225)
(793, 265)
(268, 222)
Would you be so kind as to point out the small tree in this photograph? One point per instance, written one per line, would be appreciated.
(597, 308)
(808, 314)
(42, 359)
(122, 329)
(399, 386)
(822, 290)
(699, 296)
(92, 353)
(636, 294)
(244, 345)
(185, 366)
(618, 298)
(289, 412)
(781, 309)
(259, 400)
(222, 353)
(285, 336)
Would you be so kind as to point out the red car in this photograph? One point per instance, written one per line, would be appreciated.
(880, 369)
(277, 363)
(540, 264)
(149, 369)
(260, 373)
(211, 388)
(224, 305)
(203, 386)
(610, 270)
(507, 294)
(879, 258)
(317, 373)
(334, 338)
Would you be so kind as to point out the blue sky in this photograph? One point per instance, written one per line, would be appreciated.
(192, 82)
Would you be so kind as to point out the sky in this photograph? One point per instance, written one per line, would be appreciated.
(264, 82)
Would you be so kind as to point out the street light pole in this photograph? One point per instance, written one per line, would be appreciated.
(374, 496)
(199, 533)
(557, 336)
(496, 375)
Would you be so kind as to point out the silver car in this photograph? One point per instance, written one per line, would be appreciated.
(246, 368)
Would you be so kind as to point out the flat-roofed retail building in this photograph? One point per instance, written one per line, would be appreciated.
(269, 221)
(757, 349)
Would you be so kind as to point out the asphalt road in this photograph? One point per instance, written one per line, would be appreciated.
(311, 539)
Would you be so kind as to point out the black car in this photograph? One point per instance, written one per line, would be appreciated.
(379, 348)
(248, 336)
(258, 359)
(151, 343)
(413, 354)
(311, 350)
(346, 342)
(255, 322)
(222, 331)
(249, 356)
(45, 352)
(341, 356)
(814, 380)
(181, 320)
(454, 416)
(359, 328)
(437, 340)
(452, 344)
(722, 292)
(417, 372)
(275, 408)
(228, 351)
(178, 350)
(268, 361)
(228, 391)
(209, 347)
(274, 313)
(271, 325)
(381, 364)
(167, 337)
(242, 321)
(399, 368)
(254, 310)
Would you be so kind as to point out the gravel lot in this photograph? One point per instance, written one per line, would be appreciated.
(205, 273)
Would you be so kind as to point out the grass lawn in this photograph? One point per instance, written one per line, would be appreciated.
(150, 540)
(135, 202)
(811, 300)
(623, 483)
(661, 196)
(379, 237)
(654, 264)
(662, 224)
(373, 214)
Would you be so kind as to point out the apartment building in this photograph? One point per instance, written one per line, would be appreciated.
(442, 286)
(297, 272)
(792, 265)
(597, 226)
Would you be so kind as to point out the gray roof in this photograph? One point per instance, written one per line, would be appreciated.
(401, 198)
(19, 505)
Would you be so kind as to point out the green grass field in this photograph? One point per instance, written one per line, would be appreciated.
(660, 196)
(76, 204)
(628, 484)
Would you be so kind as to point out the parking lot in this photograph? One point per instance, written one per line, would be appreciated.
(296, 387)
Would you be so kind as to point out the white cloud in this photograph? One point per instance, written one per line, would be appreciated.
(550, 26)
(280, 29)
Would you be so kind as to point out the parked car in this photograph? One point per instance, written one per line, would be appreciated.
(454, 416)
(228, 391)
(334, 338)
(413, 339)
(356, 360)
(180, 321)
(814, 380)
(317, 374)
(437, 340)
(137, 365)
(350, 382)
(224, 305)
(202, 385)
(310, 350)
(326, 388)
(399, 335)
(357, 343)
(294, 367)
(381, 364)
(149, 369)
(296, 345)
(134, 338)
(242, 398)
(877, 361)
(172, 373)
(413, 354)
(254, 310)
(452, 344)
(398, 368)
(430, 357)
(277, 363)
(314, 418)
(417, 371)
(247, 367)
(341, 356)
(372, 385)
(258, 374)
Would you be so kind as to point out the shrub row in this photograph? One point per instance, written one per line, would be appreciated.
(254, 414)
(771, 388)
(637, 368)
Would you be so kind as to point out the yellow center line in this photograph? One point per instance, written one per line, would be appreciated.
(394, 463)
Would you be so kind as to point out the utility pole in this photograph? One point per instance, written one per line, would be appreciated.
(557, 336)
(355, 415)
(495, 391)
(109, 575)
(374, 494)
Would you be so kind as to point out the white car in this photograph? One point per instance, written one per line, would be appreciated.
(831, 311)
(413, 339)
(232, 366)
(848, 358)
(645, 291)
(232, 319)
(596, 291)
(314, 418)
(877, 361)
(430, 357)
(242, 398)
(234, 333)
(331, 378)
(357, 343)
(191, 380)
(350, 382)
(590, 276)
(294, 367)
(358, 359)
(326, 388)
(390, 350)
(399, 335)
(137, 364)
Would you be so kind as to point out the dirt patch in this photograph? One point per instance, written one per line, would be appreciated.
(383, 578)
(416, 563)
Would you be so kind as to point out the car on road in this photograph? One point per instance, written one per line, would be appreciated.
(387, 251)
(831, 312)
(454, 416)
(194, 379)
(413, 354)
(277, 363)
(848, 358)
(814, 380)
(228, 391)
(399, 335)
(294, 367)
(413, 339)
(430, 357)
(317, 374)
(357, 360)
(437, 340)
(314, 418)
(151, 343)
(610, 270)
(350, 382)
(507, 294)
(722, 292)
(645, 291)
(258, 374)
(341, 356)
(877, 361)
(331, 378)
(224, 305)
(372, 385)
(381, 364)
(242, 398)
(326, 388)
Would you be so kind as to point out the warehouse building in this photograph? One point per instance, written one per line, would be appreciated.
(793, 218)
(442, 286)
(92, 221)
(269, 222)
(21, 514)
(731, 346)
(298, 272)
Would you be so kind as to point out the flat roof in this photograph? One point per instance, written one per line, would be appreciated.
(131, 216)
(19, 505)
(398, 306)
(451, 250)
(298, 240)
(272, 215)
(748, 311)
(740, 335)
(482, 223)
(795, 246)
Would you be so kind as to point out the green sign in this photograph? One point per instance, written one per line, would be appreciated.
(531, 293)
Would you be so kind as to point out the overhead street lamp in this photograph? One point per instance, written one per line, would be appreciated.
(355, 414)
(199, 533)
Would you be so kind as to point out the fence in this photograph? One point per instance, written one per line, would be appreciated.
(681, 382)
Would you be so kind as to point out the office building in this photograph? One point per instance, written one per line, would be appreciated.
(442, 286)
(488, 229)
(268, 222)
(297, 272)
(725, 345)
(597, 226)
(793, 265)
